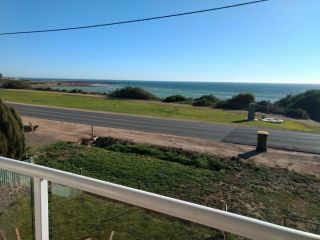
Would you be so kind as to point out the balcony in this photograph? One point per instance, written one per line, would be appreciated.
(123, 208)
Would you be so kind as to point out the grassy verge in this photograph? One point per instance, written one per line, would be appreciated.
(251, 190)
(174, 111)
(86, 216)
(261, 192)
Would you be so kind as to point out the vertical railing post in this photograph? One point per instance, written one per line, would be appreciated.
(318, 229)
(41, 212)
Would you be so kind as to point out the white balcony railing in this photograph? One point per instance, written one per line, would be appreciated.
(214, 218)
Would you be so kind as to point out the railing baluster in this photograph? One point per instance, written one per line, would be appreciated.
(41, 208)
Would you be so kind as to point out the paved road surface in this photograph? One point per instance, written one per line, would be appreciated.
(289, 140)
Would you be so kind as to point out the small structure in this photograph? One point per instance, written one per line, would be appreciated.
(251, 111)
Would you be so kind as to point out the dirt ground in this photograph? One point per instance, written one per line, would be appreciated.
(52, 131)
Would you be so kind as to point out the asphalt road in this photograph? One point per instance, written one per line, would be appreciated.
(288, 140)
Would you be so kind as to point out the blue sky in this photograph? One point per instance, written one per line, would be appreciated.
(276, 41)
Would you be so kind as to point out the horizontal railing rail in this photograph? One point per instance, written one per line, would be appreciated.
(218, 219)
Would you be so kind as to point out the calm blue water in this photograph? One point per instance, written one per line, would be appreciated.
(262, 91)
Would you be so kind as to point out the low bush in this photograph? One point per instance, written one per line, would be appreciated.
(267, 107)
(215, 164)
(174, 98)
(76, 91)
(132, 93)
(15, 84)
(296, 113)
(221, 104)
(105, 142)
(308, 101)
(263, 107)
(237, 102)
(206, 101)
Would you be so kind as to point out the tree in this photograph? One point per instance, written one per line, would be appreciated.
(0, 75)
(12, 141)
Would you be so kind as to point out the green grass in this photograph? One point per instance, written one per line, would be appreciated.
(168, 154)
(17, 215)
(260, 192)
(87, 216)
(249, 189)
(156, 109)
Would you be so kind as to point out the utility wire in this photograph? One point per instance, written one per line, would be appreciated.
(134, 20)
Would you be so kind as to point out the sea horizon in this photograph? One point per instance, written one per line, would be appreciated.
(152, 80)
(223, 90)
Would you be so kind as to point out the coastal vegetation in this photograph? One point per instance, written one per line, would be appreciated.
(267, 107)
(132, 93)
(144, 108)
(174, 98)
(301, 106)
(12, 142)
(262, 192)
(308, 101)
(205, 101)
(14, 84)
(238, 102)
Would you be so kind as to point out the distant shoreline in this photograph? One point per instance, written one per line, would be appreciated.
(163, 81)
(223, 90)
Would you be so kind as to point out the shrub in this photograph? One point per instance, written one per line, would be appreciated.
(276, 109)
(76, 91)
(240, 101)
(262, 107)
(15, 84)
(296, 113)
(174, 98)
(215, 164)
(132, 93)
(206, 101)
(308, 101)
(105, 142)
(221, 104)
(12, 142)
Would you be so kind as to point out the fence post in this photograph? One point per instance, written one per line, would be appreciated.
(41, 212)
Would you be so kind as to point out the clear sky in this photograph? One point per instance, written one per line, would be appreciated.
(276, 41)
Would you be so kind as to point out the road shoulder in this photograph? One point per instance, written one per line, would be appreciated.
(52, 131)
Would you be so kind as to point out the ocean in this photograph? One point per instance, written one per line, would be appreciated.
(222, 90)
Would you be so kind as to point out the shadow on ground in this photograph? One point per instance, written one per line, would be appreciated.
(249, 154)
(241, 121)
